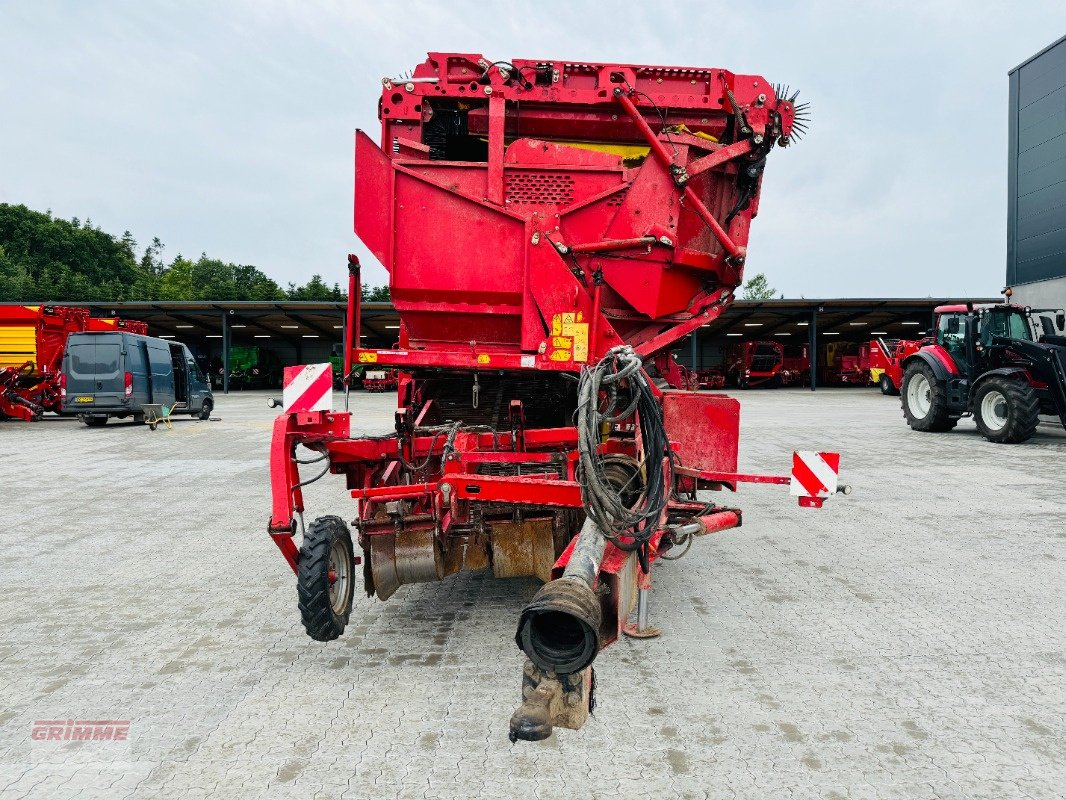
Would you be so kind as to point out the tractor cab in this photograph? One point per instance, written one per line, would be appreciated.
(1005, 364)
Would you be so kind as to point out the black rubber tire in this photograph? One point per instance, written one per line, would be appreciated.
(887, 386)
(937, 420)
(1023, 409)
(319, 618)
(205, 410)
(94, 422)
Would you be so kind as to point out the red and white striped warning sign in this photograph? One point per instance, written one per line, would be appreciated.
(307, 388)
(814, 474)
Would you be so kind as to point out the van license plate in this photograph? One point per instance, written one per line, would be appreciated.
(84, 399)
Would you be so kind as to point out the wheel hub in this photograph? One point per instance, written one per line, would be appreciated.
(920, 396)
(338, 576)
(994, 410)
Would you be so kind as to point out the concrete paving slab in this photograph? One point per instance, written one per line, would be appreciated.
(907, 641)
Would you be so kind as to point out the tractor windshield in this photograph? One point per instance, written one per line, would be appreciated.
(1004, 324)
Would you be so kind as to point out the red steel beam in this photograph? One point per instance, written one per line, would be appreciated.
(667, 160)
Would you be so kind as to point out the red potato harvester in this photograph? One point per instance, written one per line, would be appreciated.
(550, 229)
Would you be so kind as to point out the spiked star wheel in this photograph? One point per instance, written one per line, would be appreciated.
(801, 117)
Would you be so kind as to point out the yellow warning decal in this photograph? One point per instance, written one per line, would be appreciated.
(368, 357)
(570, 334)
(579, 333)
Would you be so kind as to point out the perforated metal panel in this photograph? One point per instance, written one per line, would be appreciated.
(539, 188)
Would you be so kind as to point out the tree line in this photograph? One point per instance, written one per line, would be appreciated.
(45, 259)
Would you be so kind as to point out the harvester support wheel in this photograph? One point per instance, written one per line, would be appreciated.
(925, 400)
(1006, 411)
(887, 387)
(325, 578)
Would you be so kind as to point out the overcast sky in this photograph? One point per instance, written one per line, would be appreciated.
(227, 127)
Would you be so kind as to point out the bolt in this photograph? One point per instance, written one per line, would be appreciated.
(572, 698)
(757, 138)
(410, 87)
(488, 90)
(761, 98)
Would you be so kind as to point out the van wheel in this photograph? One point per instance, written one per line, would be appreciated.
(205, 410)
(94, 422)
(325, 578)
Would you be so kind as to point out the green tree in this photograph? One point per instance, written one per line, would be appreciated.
(758, 288)
(376, 294)
(316, 289)
(44, 259)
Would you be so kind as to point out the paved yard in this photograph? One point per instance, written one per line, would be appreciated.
(906, 642)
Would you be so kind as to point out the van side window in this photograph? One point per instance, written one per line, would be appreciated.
(135, 358)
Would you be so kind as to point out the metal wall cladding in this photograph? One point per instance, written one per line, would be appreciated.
(1036, 212)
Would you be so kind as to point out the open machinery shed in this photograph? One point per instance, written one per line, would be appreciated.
(306, 332)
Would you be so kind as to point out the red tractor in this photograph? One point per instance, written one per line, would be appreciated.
(551, 229)
(886, 362)
(1004, 364)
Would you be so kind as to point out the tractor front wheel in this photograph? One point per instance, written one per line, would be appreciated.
(925, 400)
(325, 578)
(1006, 411)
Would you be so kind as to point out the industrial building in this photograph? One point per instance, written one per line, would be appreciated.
(308, 332)
(1036, 179)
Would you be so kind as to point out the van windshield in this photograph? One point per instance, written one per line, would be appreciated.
(94, 359)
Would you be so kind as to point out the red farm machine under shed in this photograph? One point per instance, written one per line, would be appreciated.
(767, 362)
(886, 361)
(32, 341)
(550, 229)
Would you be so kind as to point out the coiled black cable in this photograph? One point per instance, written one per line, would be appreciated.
(620, 375)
